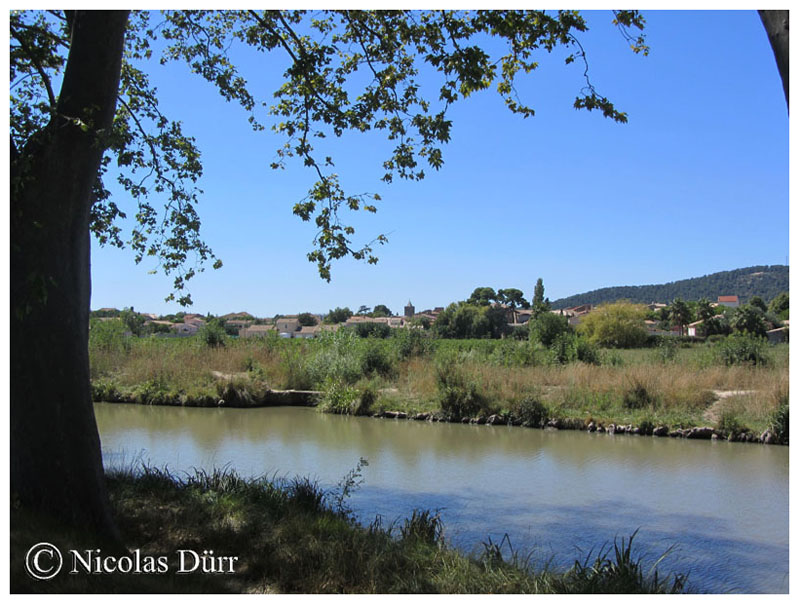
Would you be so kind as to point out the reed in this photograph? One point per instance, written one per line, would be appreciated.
(414, 374)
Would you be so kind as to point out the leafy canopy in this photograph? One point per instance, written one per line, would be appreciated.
(619, 325)
(348, 71)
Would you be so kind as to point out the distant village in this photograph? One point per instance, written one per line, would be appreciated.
(308, 325)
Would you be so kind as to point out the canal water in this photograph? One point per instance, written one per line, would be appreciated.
(722, 507)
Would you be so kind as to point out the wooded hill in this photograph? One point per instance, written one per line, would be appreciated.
(764, 281)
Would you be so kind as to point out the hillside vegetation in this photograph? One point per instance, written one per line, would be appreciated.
(764, 281)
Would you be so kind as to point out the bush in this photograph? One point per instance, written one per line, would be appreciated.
(410, 343)
(638, 396)
(108, 335)
(366, 399)
(338, 398)
(548, 327)
(531, 411)
(372, 329)
(666, 350)
(729, 424)
(375, 360)
(587, 352)
(459, 396)
(618, 325)
(337, 359)
(563, 349)
(742, 349)
(779, 422)
(513, 353)
(296, 368)
(612, 358)
(212, 334)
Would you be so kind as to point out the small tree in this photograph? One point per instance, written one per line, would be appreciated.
(619, 324)
(512, 298)
(483, 296)
(704, 310)
(212, 333)
(307, 319)
(132, 320)
(338, 315)
(758, 302)
(780, 305)
(539, 304)
(381, 311)
(547, 327)
(748, 319)
(680, 313)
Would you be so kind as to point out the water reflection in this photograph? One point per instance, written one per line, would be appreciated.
(724, 504)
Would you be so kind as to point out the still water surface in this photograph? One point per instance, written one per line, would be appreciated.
(560, 494)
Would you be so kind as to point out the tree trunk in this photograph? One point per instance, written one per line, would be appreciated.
(56, 464)
(777, 25)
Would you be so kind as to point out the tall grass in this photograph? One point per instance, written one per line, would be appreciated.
(291, 537)
(411, 372)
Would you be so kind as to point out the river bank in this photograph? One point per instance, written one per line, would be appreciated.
(686, 392)
(294, 537)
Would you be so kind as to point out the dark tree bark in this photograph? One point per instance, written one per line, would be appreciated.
(777, 25)
(56, 464)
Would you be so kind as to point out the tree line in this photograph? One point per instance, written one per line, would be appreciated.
(764, 281)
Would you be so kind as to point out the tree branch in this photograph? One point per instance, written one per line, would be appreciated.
(42, 73)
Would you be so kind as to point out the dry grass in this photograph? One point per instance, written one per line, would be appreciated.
(638, 384)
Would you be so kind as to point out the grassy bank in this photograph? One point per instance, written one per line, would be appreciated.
(675, 385)
(292, 536)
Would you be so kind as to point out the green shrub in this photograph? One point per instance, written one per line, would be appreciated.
(742, 349)
(586, 351)
(513, 353)
(459, 395)
(105, 391)
(729, 424)
(638, 396)
(531, 411)
(296, 368)
(109, 336)
(366, 399)
(236, 391)
(369, 329)
(375, 360)
(779, 422)
(337, 359)
(154, 391)
(411, 343)
(646, 426)
(666, 350)
(616, 325)
(338, 398)
(212, 334)
(612, 358)
(547, 327)
(563, 349)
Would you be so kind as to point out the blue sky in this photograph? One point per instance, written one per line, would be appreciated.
(696, 182)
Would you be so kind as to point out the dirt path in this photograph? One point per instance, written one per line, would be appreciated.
(714, 412)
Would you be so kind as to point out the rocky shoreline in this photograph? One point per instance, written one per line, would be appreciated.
(590, 426)
(309, 399)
